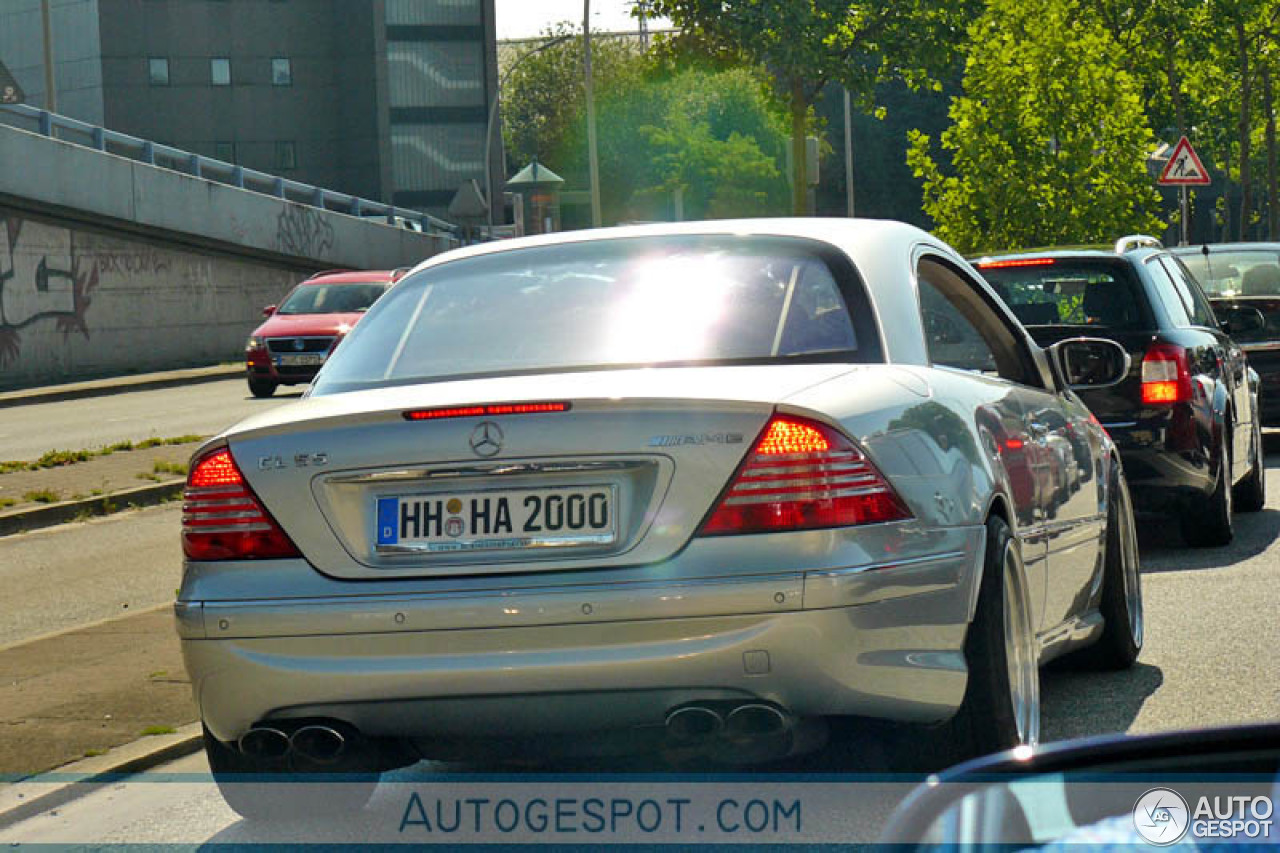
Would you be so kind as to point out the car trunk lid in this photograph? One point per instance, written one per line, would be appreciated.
(553, 472)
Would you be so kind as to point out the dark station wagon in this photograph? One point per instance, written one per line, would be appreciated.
(1185, 419)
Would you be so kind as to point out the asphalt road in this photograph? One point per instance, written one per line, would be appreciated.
(27, 431)
(76, 574)
(1209, 659)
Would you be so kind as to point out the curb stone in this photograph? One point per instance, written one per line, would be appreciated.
(17, 802)
(103, 387)
(47, 515)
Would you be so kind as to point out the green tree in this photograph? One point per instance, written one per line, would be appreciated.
(717, 142)
(544, 96)
(714, 136)
(1049, 141)
(806, 43)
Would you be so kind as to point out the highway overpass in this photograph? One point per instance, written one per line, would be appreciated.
(112, 264)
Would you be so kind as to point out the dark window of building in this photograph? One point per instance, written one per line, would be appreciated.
(220, 71)
(281, 72)
(224, 151)
(158, 71)
(286, 156)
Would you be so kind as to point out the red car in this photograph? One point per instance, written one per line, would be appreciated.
(299, 334)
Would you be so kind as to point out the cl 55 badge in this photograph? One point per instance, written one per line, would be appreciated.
(300, 460)
(704, 438)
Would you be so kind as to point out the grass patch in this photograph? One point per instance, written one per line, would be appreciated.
(162, 466)
(150, 731)
(59, 458)
(159, 673)
(94, 753)
(7, 502)
(42, 496)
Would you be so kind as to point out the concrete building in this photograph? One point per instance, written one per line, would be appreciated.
(386, 99)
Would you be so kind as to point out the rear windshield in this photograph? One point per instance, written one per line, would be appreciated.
(648, 301)
(1253, 272)
(332, 298)
(1055, 292)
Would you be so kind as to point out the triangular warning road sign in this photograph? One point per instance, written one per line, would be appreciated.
(10, 91)
(1184, 168)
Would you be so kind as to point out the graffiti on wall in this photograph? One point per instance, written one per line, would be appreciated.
(40, 280)
(303, 231)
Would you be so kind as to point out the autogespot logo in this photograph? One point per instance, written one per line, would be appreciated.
(1161, 816)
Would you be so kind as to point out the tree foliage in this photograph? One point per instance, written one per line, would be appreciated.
(714, 136)
(1049, 142)
(806, 43)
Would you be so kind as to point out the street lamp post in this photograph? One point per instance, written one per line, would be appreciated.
(493, 115)
(593, 161)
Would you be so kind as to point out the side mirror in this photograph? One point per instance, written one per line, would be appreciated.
(268, 311)
(1121, 791)
(1090, 362)
(1241, 320)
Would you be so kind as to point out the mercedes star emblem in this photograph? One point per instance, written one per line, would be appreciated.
(486, 439)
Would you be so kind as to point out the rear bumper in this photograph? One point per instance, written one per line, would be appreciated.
(1163, 475)
(881, 640)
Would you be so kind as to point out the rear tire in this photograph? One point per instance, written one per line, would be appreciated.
(1121, 605)
(262, 387)
(1251, 494)
(1001, 706)
(271, 790)
(1207, 522)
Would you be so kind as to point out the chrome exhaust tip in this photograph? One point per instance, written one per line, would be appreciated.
(755, 720)
(692, 723)
(264, 742)
(321, 744)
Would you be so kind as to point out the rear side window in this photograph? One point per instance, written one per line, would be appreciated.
(1068, 292)
(650, 301)
(1195, 302)
(1178, 300)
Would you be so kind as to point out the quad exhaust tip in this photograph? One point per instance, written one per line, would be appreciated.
(264, 742)
(692, 723)
(318, 743)
(755, 720)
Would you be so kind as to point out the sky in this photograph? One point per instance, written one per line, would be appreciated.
(526, 18)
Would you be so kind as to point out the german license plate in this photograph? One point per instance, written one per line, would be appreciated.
(301, 360)
(498, 520)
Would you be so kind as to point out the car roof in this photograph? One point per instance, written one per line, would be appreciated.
(1070, 253)
(1198, 248)
(354, 277)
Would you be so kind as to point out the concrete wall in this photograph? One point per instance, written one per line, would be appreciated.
(110, 266)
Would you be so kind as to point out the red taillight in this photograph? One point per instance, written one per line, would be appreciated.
(221, 518)
(801, 475)
(1166, 376)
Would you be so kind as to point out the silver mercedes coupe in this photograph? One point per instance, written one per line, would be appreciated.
(693, 484)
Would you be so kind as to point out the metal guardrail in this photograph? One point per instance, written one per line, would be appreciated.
(89, 135)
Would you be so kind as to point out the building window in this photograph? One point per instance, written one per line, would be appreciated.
(281, 72)
(158, 71)
(224, 151)
(220, 71)
(286, 156)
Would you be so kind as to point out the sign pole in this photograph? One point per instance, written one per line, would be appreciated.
(1185, 212)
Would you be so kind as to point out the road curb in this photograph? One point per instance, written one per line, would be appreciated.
(33, 518)
(54, 788)
(114, 385)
